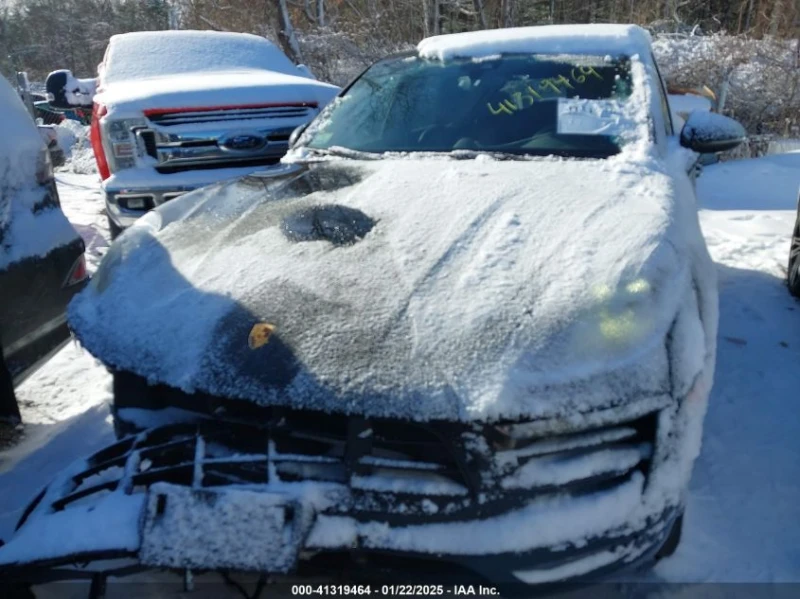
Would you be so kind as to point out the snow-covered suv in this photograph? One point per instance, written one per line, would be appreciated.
(469, 330)
(177, 110)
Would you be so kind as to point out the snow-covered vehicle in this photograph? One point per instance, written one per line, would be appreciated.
(42, 264)
(176, 110)
(469, 328)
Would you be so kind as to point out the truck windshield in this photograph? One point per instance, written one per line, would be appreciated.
(515, 104)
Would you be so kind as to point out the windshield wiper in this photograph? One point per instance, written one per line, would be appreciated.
(341, 152)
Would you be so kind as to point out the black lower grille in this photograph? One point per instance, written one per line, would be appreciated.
(199, 166)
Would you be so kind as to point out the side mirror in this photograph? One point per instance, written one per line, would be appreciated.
(68, 92)
(296, 135)
(708, 132)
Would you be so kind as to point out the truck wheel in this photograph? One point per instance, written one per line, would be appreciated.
(113, 229)
(673, 539)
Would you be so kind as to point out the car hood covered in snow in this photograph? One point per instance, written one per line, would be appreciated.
(417, 288)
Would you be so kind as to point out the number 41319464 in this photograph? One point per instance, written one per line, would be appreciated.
(551, 85)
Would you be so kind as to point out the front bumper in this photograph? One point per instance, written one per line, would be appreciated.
(154, 188)
(120, 212)
(113, 505)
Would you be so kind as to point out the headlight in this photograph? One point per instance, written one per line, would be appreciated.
(121, 142)
(620, 315)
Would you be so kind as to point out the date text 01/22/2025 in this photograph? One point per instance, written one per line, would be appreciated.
(394, 590)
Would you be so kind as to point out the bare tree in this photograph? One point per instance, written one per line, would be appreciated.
(321, 13)
(478, 4)
(507, 13)
(286, 33)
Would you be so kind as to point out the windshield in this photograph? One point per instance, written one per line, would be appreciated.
(515, 104)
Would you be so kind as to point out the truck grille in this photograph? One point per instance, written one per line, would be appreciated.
(236, 136)
(185, 117)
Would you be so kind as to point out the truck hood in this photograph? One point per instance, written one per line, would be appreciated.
(131, 99)
(414, 288)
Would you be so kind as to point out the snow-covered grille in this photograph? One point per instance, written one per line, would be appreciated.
(287, 111)
(297, 446)
(378, 459)
(583, 460)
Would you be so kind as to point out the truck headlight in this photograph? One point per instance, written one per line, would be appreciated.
(121, 142)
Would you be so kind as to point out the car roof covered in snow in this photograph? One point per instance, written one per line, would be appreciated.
(547, 39)
(146, 54)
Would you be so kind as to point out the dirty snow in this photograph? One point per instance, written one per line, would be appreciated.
(740, 499)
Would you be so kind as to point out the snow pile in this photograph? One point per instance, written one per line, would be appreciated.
(74, 140)
(766, 183)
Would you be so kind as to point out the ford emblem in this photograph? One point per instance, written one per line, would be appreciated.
(242, 142)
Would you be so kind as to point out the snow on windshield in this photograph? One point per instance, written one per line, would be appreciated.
(515, 104)
(147, 54)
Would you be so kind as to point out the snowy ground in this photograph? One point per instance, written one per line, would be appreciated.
(741, 523)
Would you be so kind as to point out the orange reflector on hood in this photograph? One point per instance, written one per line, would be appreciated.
(260, 334)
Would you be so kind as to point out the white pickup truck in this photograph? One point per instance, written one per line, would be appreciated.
(177, 110)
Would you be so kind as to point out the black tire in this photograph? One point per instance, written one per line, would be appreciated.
(793, 278)
(673, 539)
(113, 229)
